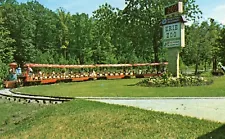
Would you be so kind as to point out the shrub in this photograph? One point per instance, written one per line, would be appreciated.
(167, 80)
(3, 71)
(218, 73)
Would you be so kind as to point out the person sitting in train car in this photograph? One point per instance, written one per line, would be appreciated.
(40, 73)
(12, 76)
(53, 72)
(29, 71)
(140, 71)
(18, 70)
(93, 74)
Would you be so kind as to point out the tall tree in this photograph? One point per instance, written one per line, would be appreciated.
(202, 45)
(143, 19)
(221, 41)
(103, 48)
(80, 47)
(6, 49)
(64, 34)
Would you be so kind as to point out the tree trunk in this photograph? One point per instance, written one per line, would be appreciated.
(205, 65)
(196, 68)
(214, 63)
(156, 53)
(65, 53)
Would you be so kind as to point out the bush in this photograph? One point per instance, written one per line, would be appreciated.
(167, 80)
(3, 71)
(218, 73)
(207, 74)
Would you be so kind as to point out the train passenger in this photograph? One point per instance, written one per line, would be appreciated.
(93, 74)
(29, 71)
(12, 76)
(40, 73)
(18, 70)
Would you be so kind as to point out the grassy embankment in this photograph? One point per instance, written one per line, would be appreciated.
(125, 88)
(85, 119)
(12, 114)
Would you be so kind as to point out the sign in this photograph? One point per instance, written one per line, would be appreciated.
(173, 35)
(172, 31)
(172, 43)
(174, 9)
(172, 20)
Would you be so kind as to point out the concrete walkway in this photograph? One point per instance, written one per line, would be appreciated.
(202, 108)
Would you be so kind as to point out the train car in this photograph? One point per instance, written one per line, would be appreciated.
(38, 74)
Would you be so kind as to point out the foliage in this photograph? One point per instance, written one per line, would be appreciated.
(6, 51)
(167, 80)
(202, 47)
(207, 74)
(3, 71)
(221, 42)
(110, 36)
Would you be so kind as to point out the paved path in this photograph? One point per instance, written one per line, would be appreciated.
(202, 108)
(210, 108)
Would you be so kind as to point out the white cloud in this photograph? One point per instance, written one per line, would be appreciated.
(220, 8)
(218, 13)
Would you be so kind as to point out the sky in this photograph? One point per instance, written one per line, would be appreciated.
(211, 8)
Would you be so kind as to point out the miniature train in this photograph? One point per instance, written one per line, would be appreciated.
(28, 76)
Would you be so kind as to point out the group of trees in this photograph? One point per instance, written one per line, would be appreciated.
(204, 45)
(30, 32)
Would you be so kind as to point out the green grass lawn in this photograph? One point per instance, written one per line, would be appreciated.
(11, 114)
(125, 88)
(86, 119)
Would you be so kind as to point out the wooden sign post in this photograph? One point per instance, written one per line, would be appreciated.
(174, 35)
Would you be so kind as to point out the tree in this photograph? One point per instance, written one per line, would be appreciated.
(64, 34)
(21, 26)
(80, 37)
(46, 30)
(214, 30)
(221, 41)
(103, 47)
(143, 20)
(6, 49)
(111, 35)
(202, 45)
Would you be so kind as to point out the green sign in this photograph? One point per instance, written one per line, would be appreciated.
(173, 35)
(172, 31)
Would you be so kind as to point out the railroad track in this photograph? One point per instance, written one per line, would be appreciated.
(25, 98)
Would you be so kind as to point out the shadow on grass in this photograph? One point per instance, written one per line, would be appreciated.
(218, 133)
(131, 85)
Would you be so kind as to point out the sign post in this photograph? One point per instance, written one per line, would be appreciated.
(174, 35)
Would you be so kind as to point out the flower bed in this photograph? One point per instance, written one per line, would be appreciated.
(167, 80)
